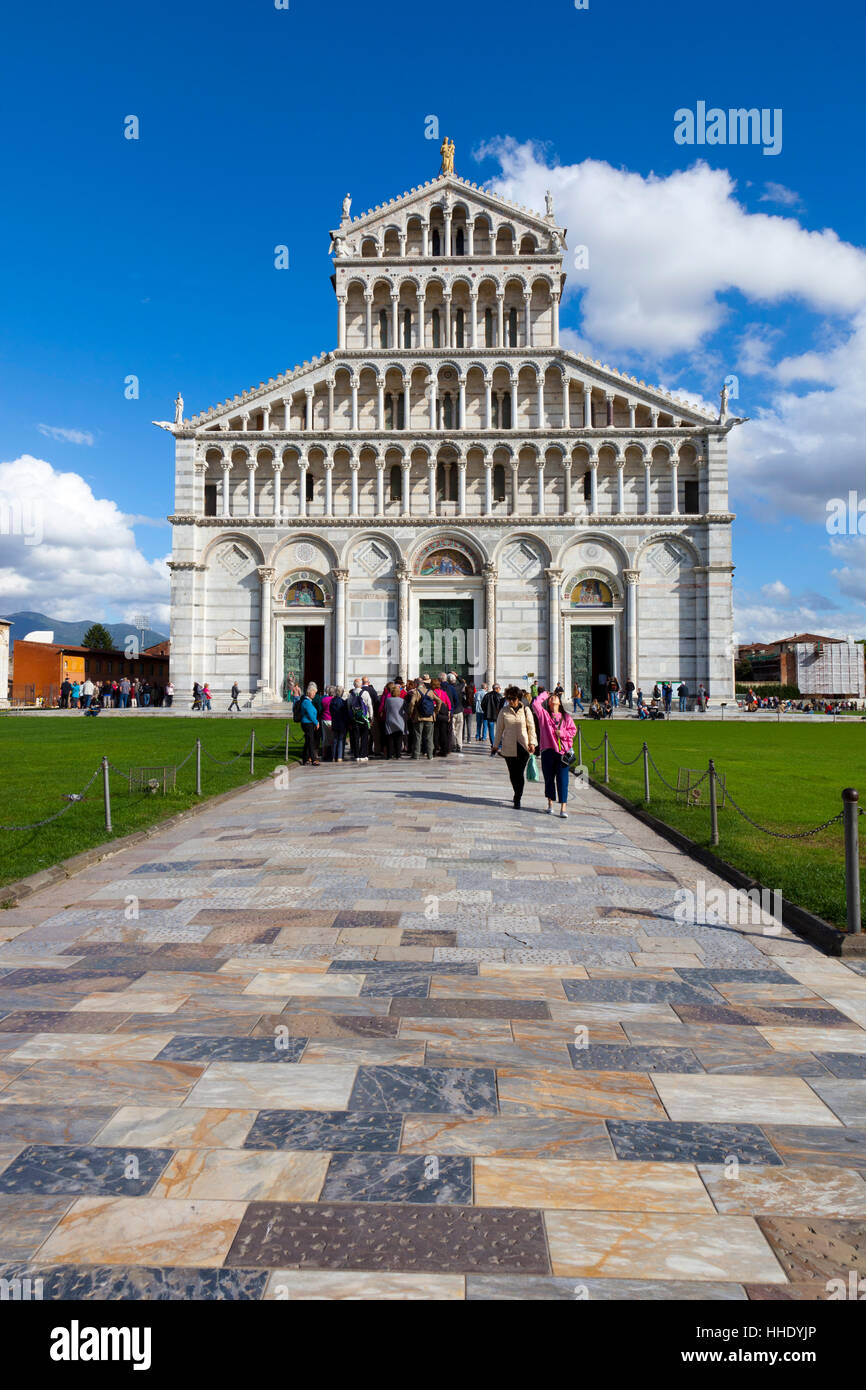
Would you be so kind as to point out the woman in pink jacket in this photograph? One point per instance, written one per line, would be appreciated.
(556, 733)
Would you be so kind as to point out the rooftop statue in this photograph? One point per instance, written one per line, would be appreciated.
(447, 153)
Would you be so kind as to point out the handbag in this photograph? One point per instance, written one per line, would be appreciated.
(565, 758)
(532, 768)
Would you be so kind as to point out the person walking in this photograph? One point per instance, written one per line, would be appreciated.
(578, 698)
(556, 734)
(196, 695)
(478, 705)
(442, 723)
(491, 706)
(682, 696)
(394, 722)
(360, 719)
(421, 711)
(514, 738)
(339, 712)
(310, 727)
(206, 696)
(169, 694)
(629, 693)
(236, 690)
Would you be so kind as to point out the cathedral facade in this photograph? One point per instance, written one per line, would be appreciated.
(450, 487)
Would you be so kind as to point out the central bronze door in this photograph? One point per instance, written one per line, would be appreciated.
(445, 635)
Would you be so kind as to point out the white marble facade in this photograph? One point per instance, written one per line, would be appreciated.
(450, 464)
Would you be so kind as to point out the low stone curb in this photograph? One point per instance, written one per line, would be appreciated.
(824, 935)
(12, 893)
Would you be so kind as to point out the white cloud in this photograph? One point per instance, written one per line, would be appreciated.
(778, 193)
(67, 436)
(68, 553)
(776, 590)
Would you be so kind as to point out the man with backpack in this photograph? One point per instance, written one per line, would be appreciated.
(236, 690)
(360, 706)
(490, 707)
(422, 705)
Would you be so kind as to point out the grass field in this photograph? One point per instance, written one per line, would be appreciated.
(41, 759)
(787, 777)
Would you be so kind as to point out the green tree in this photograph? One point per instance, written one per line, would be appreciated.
(98, 638)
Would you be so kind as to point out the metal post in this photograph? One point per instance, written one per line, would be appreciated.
(106, 794)
(252, 752)
(606, 769)
(714, 810)
(580, 745)
(198, 767)
(850, 817)
(286, 759)
(646, 789)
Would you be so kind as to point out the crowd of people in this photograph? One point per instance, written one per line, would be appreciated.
(816, 704)
(123, 694)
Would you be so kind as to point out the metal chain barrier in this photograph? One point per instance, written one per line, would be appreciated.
(623, 761)
(676, 790)
(783, 834)
(220, 762)
(78, 796)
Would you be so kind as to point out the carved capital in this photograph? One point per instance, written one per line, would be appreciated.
(266, 574)
(341, 576)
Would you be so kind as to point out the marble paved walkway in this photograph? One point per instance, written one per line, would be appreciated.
(381, 1036)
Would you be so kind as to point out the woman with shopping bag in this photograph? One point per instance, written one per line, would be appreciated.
(515, 739)
(556, 733)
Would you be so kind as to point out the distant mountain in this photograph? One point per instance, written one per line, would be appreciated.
(72, 633)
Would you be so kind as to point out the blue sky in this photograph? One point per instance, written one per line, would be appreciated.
(155, 257)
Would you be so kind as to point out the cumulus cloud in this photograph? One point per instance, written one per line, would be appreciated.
(67, 552)
(778, 193)
(67, 436)
(776, 590)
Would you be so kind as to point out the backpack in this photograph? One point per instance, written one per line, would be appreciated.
(296, 712)
(357, 708)
(426, 706)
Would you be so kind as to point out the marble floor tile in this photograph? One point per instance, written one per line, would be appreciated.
(846, 1099)
(807, 1189)
(590, 1095)
(295, 1285)
(534, 1288)
(660, 1246)
(338, 1131)
(176, 1127)
(720, 1099)
(589, 1186)
(470, 1008)
(818, 1248)
(425, 1090)
(842, 1148)
(686, 1142)
(372, 1177)
(137, 1283)
(616, 1057)
(78, 1169)
(317, 1023)
(109, 1047)
(243, 1175)
(260, 1086)
(25, 1221)
(290, 984)
(93, 1082)
(126, 1230)
(808, 1039)
(279, 1048)
(396, 1237)
(51, 1124)
(523, 1137)
(364, 1051)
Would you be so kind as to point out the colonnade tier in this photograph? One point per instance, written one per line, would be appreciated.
(478, 481)
(405, 395)
(415, 312)
(449, 232)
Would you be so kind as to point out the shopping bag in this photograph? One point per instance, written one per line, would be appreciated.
(532, 768)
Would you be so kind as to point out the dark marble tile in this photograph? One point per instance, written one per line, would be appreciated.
(194, 1023)
(198, 866)
(739, 1061)
(821, 1248)
(52, 1124)
(400, 1237)
(101, 975)
(469, 1008)
(533, 1289)
(74, 1170)
(282, 917)
(137, 1283)
(848, 1066)
(417, 936)
(616, 1057)
(351, 1131)
(425, 1090)
(677, 1141)
(600, 991)
(200, 965)
(339, 1004)
(344, 920)
(372, 1177)
(279, 1048)
(26, 1221)
(759, 1015)
(839, 1146)
(61, 1021)
(313, 1023)
(384, 968)
(711, 974)
(408, 984)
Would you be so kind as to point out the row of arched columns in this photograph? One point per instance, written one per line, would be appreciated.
(417, 312)
(446, 230)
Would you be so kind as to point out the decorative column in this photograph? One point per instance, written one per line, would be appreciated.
(554, 618)
(500, 318)
(473, 308)
(515, 487)
(403, 619)
(406, 498)
(539, 463)
(251, 471)
(566, 486)
(287, 409)
(540, 384)
(461, 487)
(431, 387)
(330, 405)
(488, 402)
(341, 320)
(277, 466)
(354, 465)
(446, 242)
(632, 412)
(566, 402)
(675, 485)
(461, 401)
(340, 580)
(422, 312)
(227, 500)
(514, 402)
(488, 484)
(200, 467)
(632, 578)
(647, 484)
(329, 487)
(587, 406)
(380, 485)
(354, 379)
(447, 301)
(425, 235)
(620, 486)
(470, 229)
(266, 417)
(490, 577)
(303, 464)
(267, 577)
(608, 400)
(593, 487)
(308, 410)
(245, 423)
(407, 403)
(368, 320)
(527, 318)
(380, 403)
(431, 486)
(554, 309)
(395, 320)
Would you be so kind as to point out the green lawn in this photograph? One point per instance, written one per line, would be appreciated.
(786, 776)
(41, 758)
